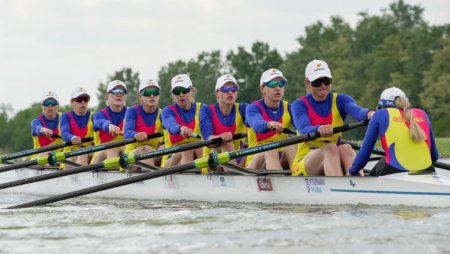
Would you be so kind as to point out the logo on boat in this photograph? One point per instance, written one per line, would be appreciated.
(314, 185)
(264, 184)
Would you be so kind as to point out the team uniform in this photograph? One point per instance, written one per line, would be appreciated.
(173, 117)
(102, 119)
(41, 140)
(309, 114)
(73, 125)
(257, 115)
(402, 153)
(137, 120)
(213, 122)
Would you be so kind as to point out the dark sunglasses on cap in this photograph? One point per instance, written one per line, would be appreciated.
(118, 91)
(226, 89)
(318, 82)
(150, 92)
(81, 99)
(51, 102)
(274, 83)
(179, 90)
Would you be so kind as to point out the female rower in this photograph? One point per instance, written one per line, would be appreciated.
(108, 122)
(406, 136)
(45, 128)
(266, 120)
(321, 110)
(181, 121)
(144, 119)
(224, 118)
(77, 124)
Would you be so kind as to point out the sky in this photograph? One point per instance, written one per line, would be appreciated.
(60, 45)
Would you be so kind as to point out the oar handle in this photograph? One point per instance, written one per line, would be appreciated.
(155, 135)
(288, 131)
(56, 136)
(83, 140)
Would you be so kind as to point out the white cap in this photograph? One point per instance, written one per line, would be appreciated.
(181, 80)
(79, 91)
(148, 82)
(222, 80)
(49, 94)
(388, 96)
(115, 83)
(269, 75)
(317, 69)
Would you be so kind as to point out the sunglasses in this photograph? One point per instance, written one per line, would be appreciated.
(82, 99)
(118, 91)
(150, 92)
(274, 83)
(318, 82)
(179, 90)
(48, 103)
(226, 89)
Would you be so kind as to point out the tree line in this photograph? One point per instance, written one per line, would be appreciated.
(395, 48)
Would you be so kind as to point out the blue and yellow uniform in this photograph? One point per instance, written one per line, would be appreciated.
(73, 125)
(257, 115)
(39, 122)
(309, 114)
(173, 117)
(402, 153)
(136, 121)
(102, 119)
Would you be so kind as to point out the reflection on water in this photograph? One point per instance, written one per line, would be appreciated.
(128, 226)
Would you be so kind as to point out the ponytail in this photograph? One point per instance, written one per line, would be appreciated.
(416, 132)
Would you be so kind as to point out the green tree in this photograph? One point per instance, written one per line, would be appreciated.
(126, 75)
(19, 128)
(436, 95)
(247, 68)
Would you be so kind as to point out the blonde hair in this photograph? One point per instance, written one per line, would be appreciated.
(416, 132)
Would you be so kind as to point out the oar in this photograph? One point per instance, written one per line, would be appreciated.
(53, 158)
(24, 153)
(123, 161)
(379, 151)
(221, 158)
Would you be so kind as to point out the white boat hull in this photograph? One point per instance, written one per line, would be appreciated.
(397, 189)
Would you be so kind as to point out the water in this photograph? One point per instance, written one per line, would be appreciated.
(93, 225)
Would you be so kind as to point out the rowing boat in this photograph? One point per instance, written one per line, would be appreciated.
(431, 190)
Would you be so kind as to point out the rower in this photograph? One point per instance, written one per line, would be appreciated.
(108, 122)
(266, 119)
(144, 119)
(77, 124)
(406, 136)
(45, 128)
(321, 110)
(224, 118)
(181, 121)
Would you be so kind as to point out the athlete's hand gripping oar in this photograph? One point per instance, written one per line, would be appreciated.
(52, 158)
(198, 163)
(379, 151)
(28, 152)
(123, 161)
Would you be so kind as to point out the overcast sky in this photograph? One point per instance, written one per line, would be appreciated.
(59, 45)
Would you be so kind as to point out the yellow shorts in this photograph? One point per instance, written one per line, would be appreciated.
(298, 168)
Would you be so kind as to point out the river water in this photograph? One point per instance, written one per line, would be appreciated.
(98, 225)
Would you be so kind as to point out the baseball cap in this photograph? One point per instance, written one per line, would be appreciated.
(148, 82)
(115, 83)
(222, 80)
(181, 80)
(388, 96)
(79, 91)
(269, 75)
(49, 94)
(317, 69)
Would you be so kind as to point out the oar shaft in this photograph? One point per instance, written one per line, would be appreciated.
(40, 150)
(106, 186)
(18, 165)
(51, 175)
